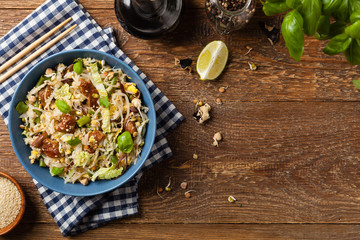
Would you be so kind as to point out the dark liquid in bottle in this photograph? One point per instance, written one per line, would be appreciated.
(149, 18)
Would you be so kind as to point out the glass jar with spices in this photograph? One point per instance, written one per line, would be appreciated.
(229, 15)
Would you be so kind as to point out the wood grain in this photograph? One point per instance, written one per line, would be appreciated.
(279, 78)
(196, 231)
(289, 154)
(284, 162)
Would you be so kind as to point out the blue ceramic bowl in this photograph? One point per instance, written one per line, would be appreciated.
(22, 151)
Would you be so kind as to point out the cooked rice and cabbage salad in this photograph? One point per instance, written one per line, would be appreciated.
(85, 121)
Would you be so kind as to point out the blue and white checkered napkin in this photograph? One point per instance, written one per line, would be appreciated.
(78, 214)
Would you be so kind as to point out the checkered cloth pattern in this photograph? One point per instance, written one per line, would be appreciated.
(78, 214)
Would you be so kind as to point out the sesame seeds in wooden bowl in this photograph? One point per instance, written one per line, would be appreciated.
(12, 203)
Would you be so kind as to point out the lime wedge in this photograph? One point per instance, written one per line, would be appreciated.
(212, 60)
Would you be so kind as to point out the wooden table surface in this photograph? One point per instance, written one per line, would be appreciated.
(290, 153)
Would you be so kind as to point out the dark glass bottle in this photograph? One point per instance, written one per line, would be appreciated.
(149, 18)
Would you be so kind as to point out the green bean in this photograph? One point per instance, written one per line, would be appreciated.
(42, 162)
(41, 80)
(38, 112)
(113, 82)
(56, 171)
(37, 104)
(104, 102)
(37, 120)
(84, 120)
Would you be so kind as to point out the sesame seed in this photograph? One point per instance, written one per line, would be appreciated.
(10, 202)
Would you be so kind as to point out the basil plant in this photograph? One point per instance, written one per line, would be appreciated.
(334, 20)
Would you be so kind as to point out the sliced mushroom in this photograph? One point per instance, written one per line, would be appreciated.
(38, 142)
(130, 127)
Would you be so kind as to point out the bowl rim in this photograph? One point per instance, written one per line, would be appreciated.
(137, 167)
(16, 221)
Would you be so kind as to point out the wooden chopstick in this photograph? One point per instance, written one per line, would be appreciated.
(32, 46)
(34, 55)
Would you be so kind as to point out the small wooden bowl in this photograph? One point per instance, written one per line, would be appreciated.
(22, 208)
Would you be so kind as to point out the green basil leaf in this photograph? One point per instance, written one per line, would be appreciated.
(74, 142)
(342, 13)
(355, 16)
(293, 34)
(78, 66)
(311, 12)
(295, 4)
(323, 28)
(353, 30)
(125, 142)
(272, 8)
(337, 28)
(356, 83)
(330, 6)
(21, 107)
(62, 106)
(354, 5)
(338, 44)
(352, 54)
(114, 159)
